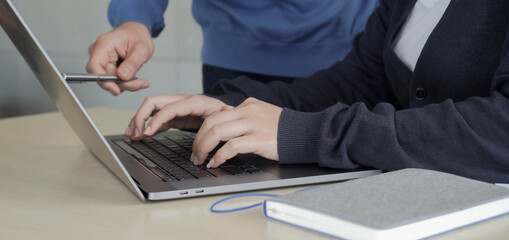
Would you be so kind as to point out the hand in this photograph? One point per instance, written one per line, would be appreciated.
(249, 128)
(129, 43)
(167, 111)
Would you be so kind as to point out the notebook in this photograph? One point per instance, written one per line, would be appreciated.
(157, 168)
(404, 204)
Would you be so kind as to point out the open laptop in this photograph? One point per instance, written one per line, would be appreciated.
(158, 168)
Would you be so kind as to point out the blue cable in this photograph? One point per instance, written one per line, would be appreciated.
(212, 209)
(239, 196)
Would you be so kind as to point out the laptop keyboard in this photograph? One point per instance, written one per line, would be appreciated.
(169, 159)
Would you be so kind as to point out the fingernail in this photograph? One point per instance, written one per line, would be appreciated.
(211, 162)
(145, 85)
(128, 131)
(194, 159)
(136, 133)
(147, 130)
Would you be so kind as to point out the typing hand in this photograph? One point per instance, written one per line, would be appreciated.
(251, 127)
(132, 46)
(171, 111)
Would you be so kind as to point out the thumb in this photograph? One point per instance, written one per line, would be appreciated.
(133, 62)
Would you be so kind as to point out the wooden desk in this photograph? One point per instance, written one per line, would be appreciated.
(53, 188)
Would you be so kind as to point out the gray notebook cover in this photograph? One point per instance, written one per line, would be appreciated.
(396, 198)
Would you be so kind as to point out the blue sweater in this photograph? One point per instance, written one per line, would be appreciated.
(291, 38)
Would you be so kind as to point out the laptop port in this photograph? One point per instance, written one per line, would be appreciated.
(199, 191)
(183, 193)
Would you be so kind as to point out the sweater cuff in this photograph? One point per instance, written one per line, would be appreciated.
(298, 135)
(148, 13)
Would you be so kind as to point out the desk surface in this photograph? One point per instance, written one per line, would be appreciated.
(53, 188)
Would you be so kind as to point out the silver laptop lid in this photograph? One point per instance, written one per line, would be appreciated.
(59, 91)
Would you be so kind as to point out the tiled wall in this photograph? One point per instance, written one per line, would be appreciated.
(66, 28)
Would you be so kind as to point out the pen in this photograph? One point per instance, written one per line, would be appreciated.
(84, 77)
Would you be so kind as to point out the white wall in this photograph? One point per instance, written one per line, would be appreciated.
(66, 29)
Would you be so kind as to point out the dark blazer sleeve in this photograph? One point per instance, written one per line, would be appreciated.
(346, 117)
(468, 138)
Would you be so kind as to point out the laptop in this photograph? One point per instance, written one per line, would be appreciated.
(158, 168)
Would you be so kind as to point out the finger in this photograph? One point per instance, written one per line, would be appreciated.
(129, 132)
(187, 122)
(102, 61)
(91, 48)
(111, 87)
(244, 144)
(150, 106)
(220, 132)
(136, 57)
(133, 85)
(133, 132)
(209, 129)
(170, 111)
(99, 58)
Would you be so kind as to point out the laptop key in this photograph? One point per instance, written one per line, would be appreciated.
(192, 168)
(245, 166)
(233, 170)
(253, 170)
(165, 177)
(151, 166)
(201, 174)
(218, 172)
(173, 158)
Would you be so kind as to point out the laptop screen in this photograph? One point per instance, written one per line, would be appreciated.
(59, 91)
